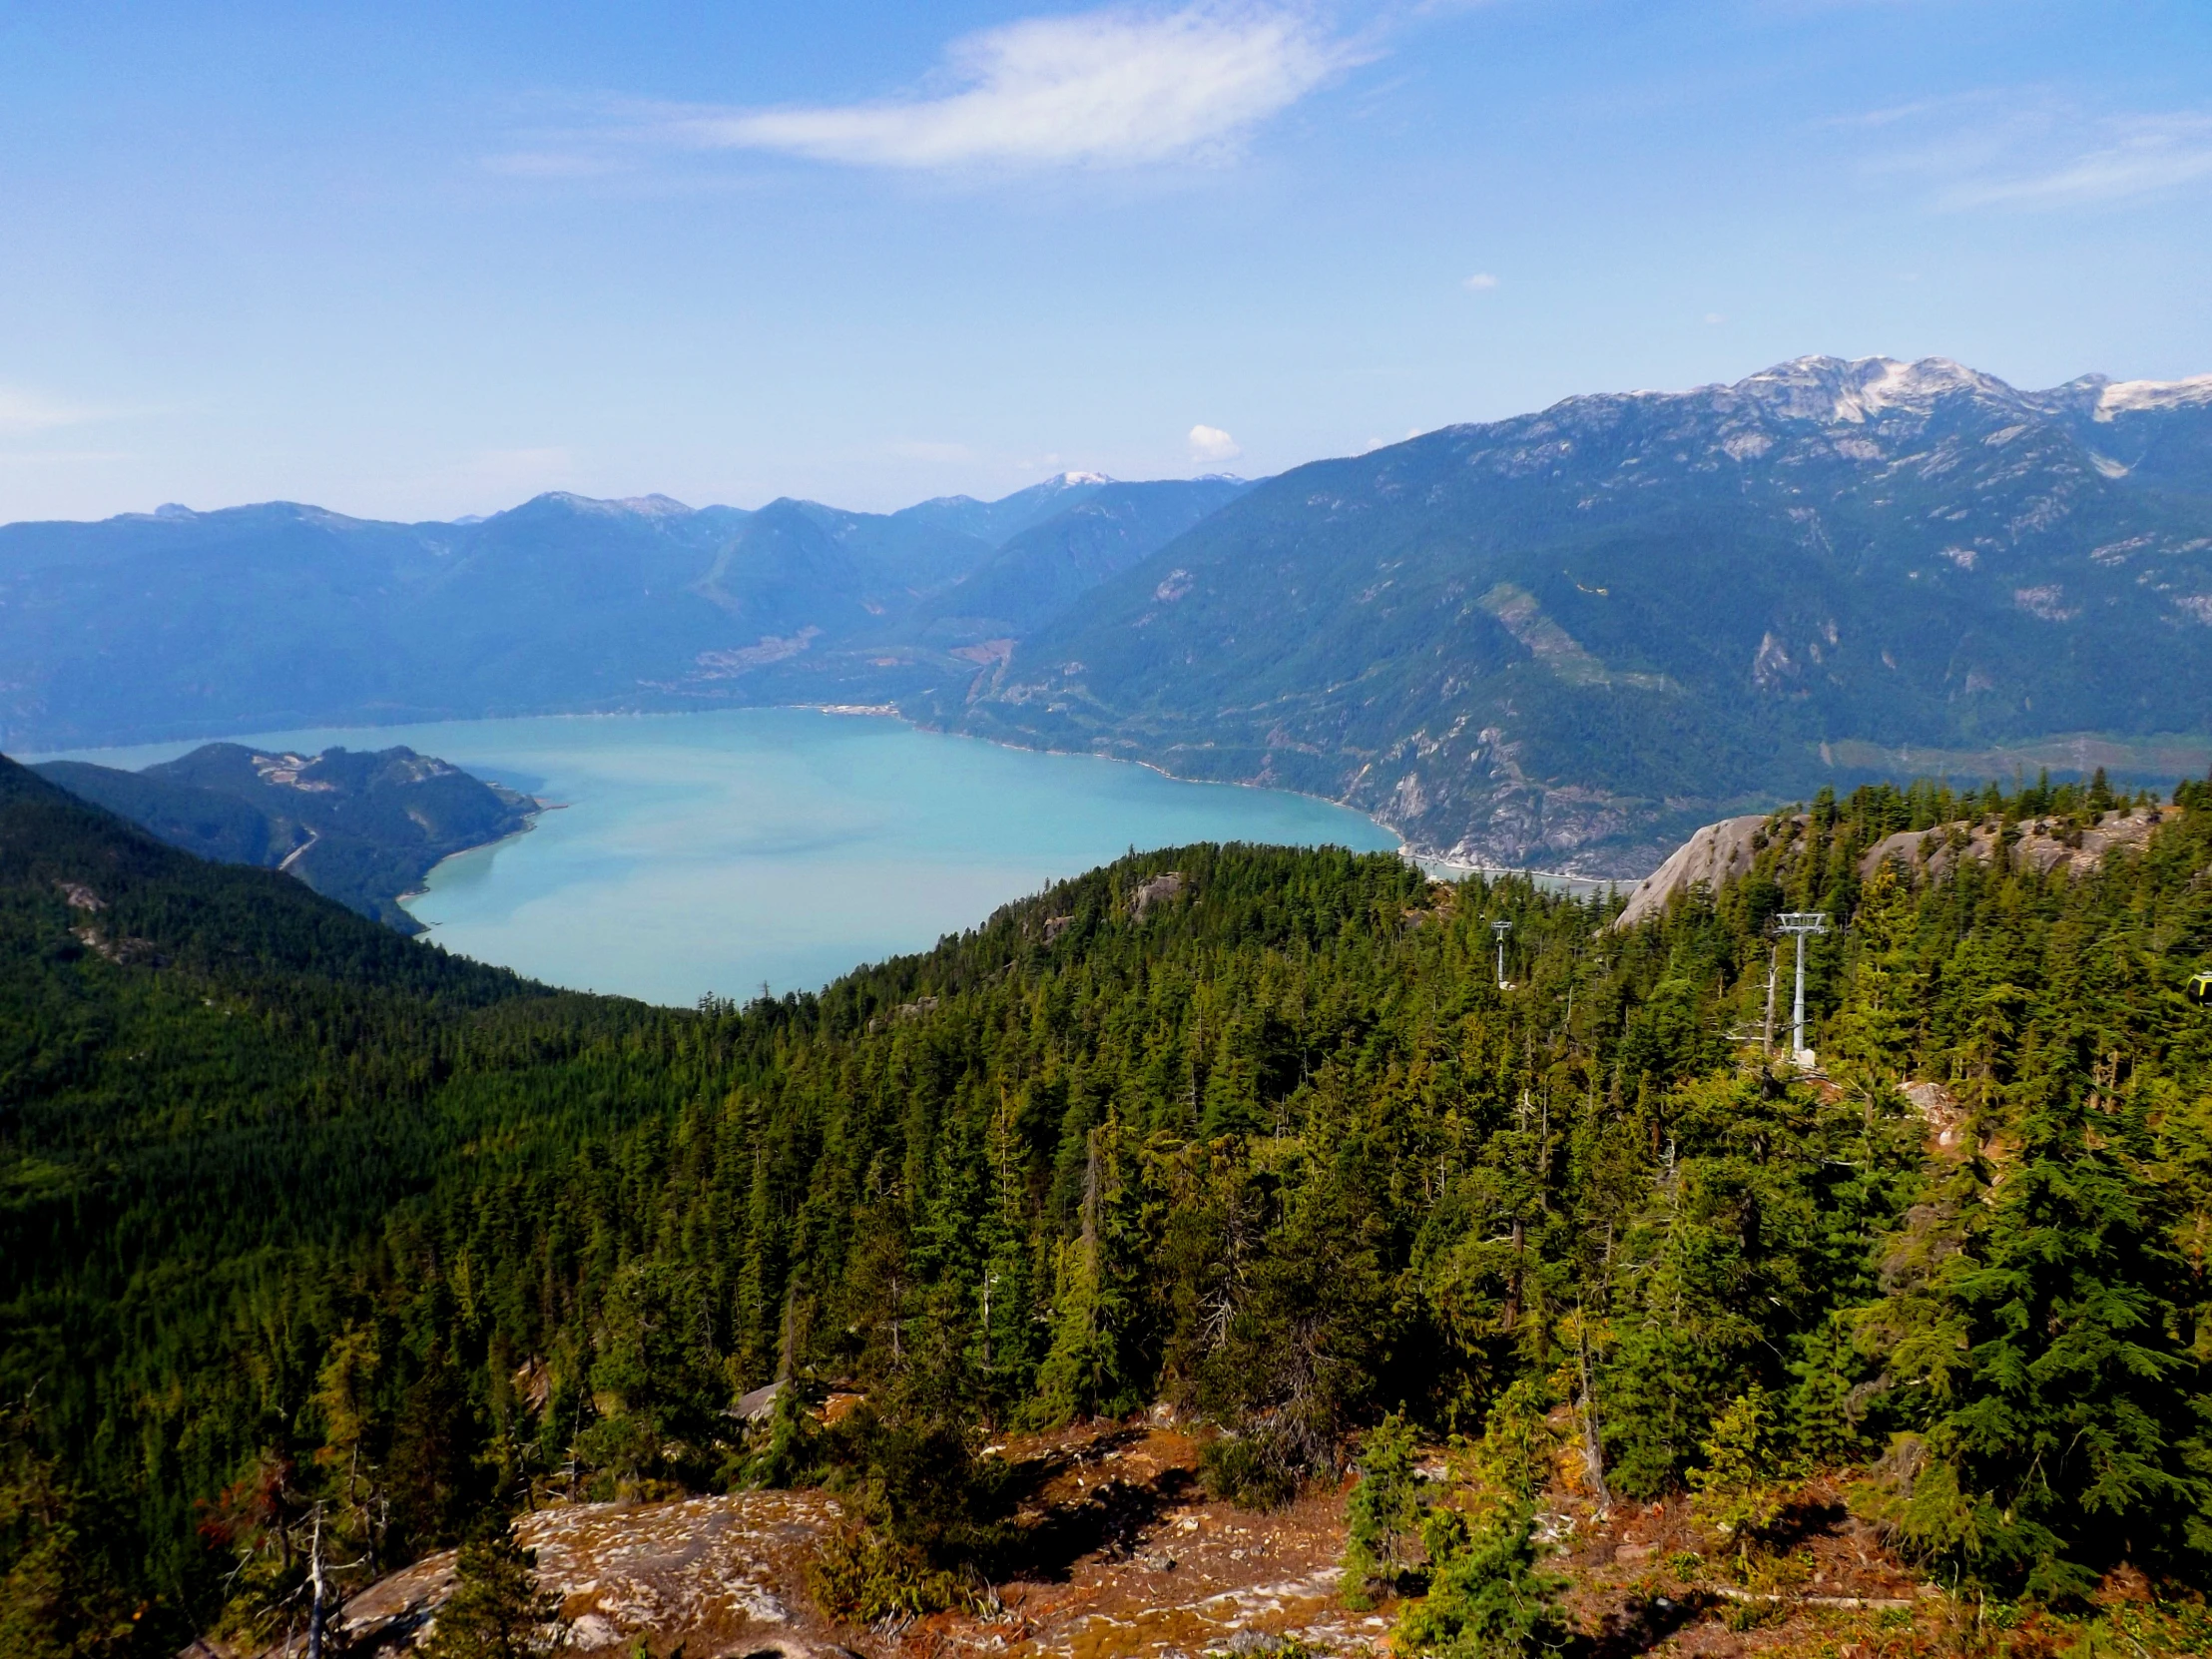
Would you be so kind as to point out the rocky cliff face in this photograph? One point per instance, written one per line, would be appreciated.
(1716, 855)
(2039, 845)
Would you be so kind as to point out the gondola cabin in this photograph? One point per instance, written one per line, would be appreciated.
(2200, 987)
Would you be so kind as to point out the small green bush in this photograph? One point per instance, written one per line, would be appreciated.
(1243, 1472)
(862, 1577)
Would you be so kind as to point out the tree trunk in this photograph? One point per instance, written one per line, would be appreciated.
(320, 1584)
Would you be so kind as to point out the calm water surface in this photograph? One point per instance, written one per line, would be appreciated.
(781, 846)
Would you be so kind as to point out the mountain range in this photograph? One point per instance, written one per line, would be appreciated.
(178, 624)
(1563, 639)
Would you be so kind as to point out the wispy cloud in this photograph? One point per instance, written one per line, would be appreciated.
(22, 411)
(2117, 158)
(1481, 283)
(1118, 86)
(2029, 149)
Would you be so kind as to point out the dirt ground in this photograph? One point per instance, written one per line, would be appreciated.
(1130, 1560)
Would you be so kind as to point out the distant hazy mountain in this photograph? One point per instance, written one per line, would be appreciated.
(1570, 636)
(176, 623)
(1045, 568)
(995, 521)
(363, 829)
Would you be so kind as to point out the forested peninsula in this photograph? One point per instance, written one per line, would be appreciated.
(363, 827)
(303, 1224)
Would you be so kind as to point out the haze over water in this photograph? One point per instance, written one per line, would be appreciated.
(725, 850)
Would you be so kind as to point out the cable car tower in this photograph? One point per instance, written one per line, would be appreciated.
(1801, 923)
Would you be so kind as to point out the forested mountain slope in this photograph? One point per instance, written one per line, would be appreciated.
(203, 1069)
(1567, 638)
(363, 828)
(298, 1210)
(175, 624)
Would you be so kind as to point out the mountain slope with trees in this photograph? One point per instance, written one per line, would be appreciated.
(1040, 572)
(299, 1213)
(1567, 638)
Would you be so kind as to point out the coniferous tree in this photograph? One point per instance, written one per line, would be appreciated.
(1381, 1513)
(55, 1602)
(496, 1609)
(1488, 1595)
(2062, 1402)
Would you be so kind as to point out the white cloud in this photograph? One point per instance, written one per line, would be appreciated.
(1212, 444)
(1115, 87)
(1715, 319)
(1481, 283)
(29, 411)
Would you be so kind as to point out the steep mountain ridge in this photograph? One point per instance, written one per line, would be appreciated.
(1569, 637)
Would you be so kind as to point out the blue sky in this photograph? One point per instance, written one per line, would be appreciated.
(413, 260)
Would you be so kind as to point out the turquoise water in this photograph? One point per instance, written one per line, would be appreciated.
(781, 846)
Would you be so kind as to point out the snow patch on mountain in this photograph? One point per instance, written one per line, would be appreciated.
(2123, 395)
(1853, 390)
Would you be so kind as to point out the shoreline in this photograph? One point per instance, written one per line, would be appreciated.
(1405, 850)
(1408, 850)
(530, 823)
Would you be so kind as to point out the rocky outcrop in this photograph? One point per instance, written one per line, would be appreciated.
(1167, 884)
(1939, 1108)
(2038, 845)
(1717, 853)
(1720, 853)
(722, 1573)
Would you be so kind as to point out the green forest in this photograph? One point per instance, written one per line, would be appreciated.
(299, 1217)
